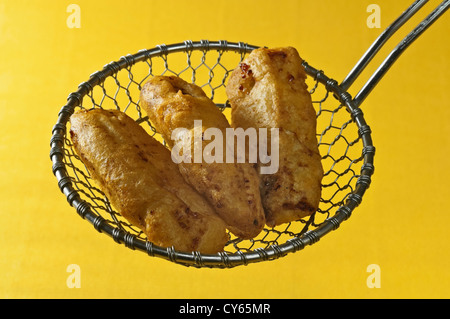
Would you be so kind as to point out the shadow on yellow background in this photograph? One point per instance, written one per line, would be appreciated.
(401, 226)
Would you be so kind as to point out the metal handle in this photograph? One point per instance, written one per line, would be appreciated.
(395, 53)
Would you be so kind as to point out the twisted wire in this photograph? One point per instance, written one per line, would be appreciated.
(340, 142)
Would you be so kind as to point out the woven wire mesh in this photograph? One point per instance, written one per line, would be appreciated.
(338, 134)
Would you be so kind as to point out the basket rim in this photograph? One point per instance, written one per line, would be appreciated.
(196, 259)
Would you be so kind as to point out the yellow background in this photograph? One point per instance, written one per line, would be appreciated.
(402, 224)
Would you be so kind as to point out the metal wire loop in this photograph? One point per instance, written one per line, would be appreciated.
(344, 140)
(396, 52)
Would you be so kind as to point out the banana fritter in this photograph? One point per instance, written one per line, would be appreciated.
(232, 188)
(268, 90)
(136, 173)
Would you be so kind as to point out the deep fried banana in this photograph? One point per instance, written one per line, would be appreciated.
(137, 175)
(268, 90)
(232, 188)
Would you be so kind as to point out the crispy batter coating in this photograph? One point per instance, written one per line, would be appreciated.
(232, 188)
(137, 175)
(268, 90)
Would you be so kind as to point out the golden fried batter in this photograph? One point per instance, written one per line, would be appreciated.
(232, 188)
(136, 173)
(268, 90)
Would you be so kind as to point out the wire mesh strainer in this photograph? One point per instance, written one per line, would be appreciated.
(343, 135)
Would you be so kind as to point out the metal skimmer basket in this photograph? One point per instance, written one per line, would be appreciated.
(343, 135)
